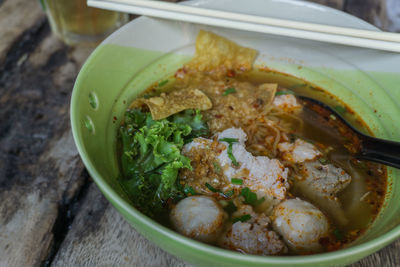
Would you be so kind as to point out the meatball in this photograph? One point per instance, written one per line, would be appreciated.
(299, 151)
(253, 236)
(198, 217)
(301, 224)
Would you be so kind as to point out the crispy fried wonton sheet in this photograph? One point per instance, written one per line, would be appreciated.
(168, 104)
(217, 54)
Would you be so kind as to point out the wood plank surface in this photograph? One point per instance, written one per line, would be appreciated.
(50, 212)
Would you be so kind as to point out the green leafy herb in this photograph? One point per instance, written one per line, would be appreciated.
(189, 191)
(160, 84)
(249, 197)
(194, 119)
(228, 91)
(217, 167)
(284, 92)
(230, 142)
(237, 181)
(243, 218)
(230, 208)
(338, 234)
(340, 109)
(151, 159)
(211, 188)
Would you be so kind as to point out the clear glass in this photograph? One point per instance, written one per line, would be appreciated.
(74, 22)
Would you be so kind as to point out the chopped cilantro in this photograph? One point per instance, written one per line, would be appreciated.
(284, 92)
(228, 91)
(230, 208)
(237, 181)
(243, 218)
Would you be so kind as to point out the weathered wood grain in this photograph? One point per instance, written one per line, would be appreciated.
(40, 169)
(99, 236)
(16, 16)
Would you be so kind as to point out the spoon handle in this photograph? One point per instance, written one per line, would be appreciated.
(381, 151)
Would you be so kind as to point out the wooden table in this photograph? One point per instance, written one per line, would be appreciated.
(51, 213)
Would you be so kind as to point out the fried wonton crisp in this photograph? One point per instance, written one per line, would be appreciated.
(215, 53)
(166, 105)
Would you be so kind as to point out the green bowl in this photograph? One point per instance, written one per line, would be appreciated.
(147, 50)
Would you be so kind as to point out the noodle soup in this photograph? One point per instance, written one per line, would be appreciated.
(247, 166)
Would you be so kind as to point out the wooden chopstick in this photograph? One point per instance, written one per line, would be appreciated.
(318, 32)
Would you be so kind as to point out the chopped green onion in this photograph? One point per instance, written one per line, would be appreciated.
(162, 83)
(229, 140)
(237, 181)
(230, 208)
(229, 91)
(249, 197)
(217, 167)
(211, 188)
(338, 234)
(340, 109)
(188, 190)
(243, 218)
(284, 92)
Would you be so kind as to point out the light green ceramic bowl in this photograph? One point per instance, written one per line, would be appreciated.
(147, 50)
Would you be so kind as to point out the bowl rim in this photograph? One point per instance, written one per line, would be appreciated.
(117, 201)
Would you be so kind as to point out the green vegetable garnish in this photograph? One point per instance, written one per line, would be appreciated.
(211, 188)
(237, 181)
(243, 218)
(338, 234)
(194, 119)
(162, 83)
(230, 142)
(151, 157)
(250, 197)
(229, 91)
(230, 208)
(284, 92)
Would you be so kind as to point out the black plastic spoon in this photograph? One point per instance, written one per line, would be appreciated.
(373, 149)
